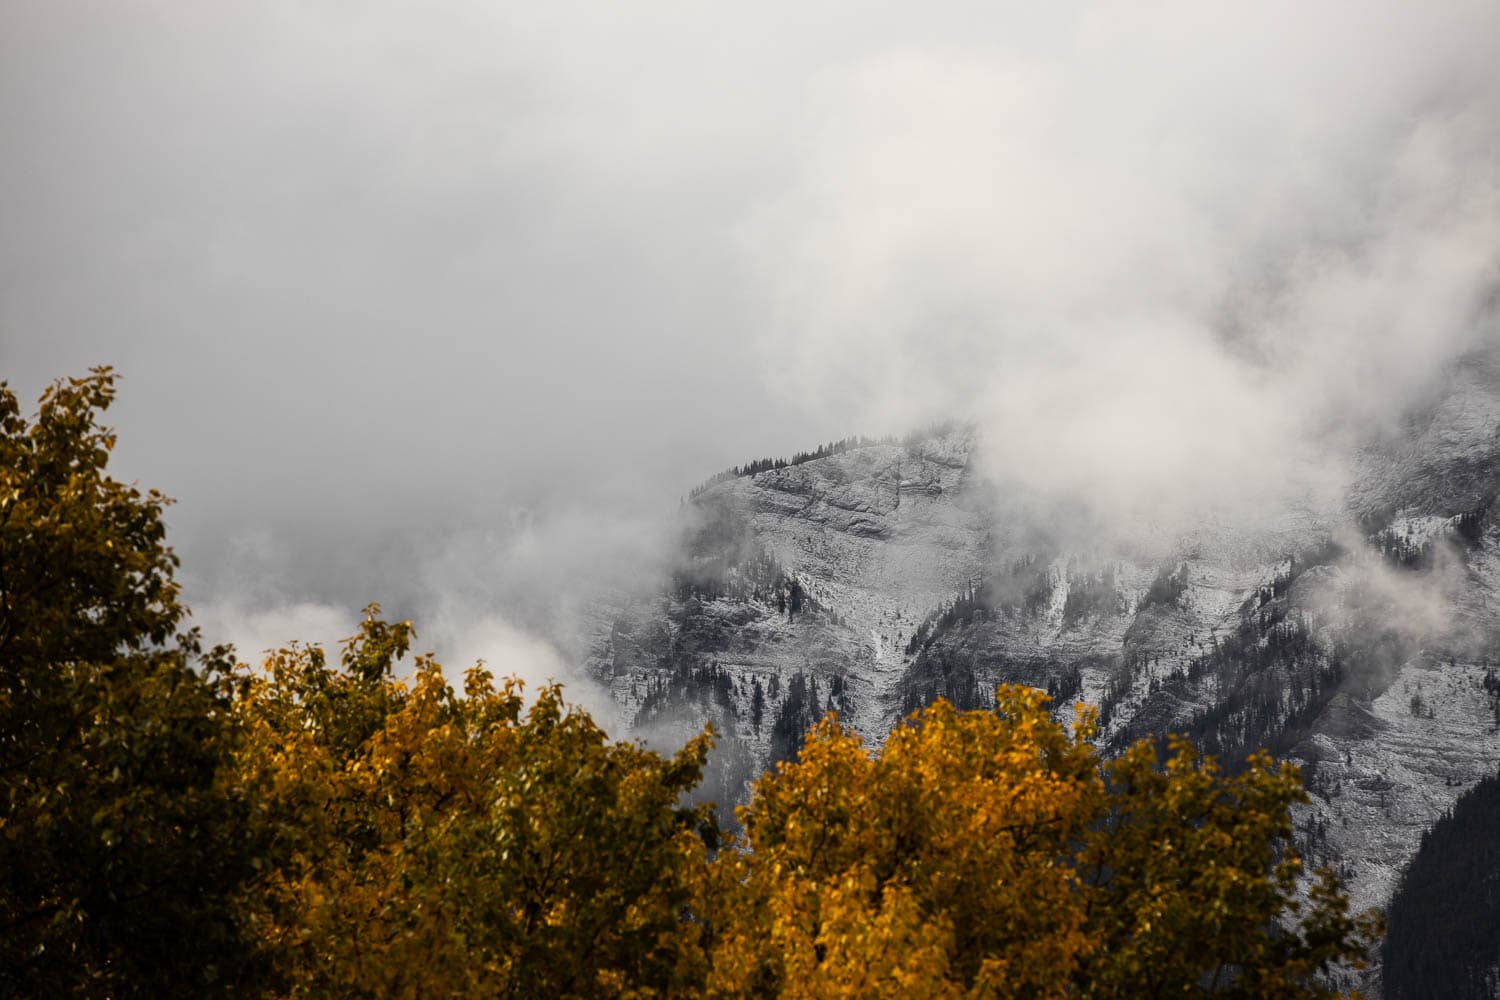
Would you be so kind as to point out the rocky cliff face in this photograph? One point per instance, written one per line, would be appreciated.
(1355, 641)
(875, 538)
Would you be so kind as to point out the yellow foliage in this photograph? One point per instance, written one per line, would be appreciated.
(992, 854)
(430, 844)
(174, 824)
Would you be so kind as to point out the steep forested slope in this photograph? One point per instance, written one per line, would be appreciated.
(1441, 939)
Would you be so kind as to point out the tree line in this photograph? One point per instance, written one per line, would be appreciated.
(759, 465)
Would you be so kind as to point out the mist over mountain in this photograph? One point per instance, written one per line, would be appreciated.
(1167, 337)
(873, 576)
(402, 298)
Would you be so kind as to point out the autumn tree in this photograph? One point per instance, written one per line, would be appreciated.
(992, 854)
(118, 849)
(435, 843)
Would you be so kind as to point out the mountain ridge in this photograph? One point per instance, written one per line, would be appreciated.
(1353, 641)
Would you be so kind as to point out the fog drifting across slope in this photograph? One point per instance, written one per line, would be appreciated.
(380, 280)
(513, 593)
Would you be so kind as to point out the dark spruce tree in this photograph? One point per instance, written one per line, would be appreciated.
(1441, 938)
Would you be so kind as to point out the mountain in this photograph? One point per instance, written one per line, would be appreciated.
(1353, 638)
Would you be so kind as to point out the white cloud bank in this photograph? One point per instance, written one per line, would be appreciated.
(1184, 257)
(381, 275)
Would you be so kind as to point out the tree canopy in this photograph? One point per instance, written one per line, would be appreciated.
(117, 841)
(175, 823)
(425, 842)
(992, 854)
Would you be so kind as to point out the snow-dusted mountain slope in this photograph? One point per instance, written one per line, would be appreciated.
(1355, 641)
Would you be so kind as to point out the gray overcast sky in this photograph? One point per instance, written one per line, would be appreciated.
(417, 301)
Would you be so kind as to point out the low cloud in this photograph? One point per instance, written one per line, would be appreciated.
(256, 630)
(1177, 263)
(443, 307)
(521, 594)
